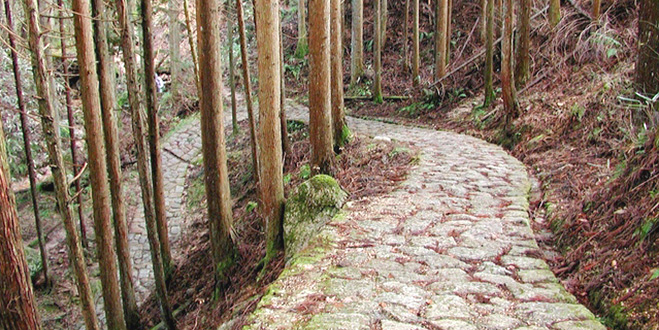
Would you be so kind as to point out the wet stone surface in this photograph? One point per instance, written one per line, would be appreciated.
(450, 249)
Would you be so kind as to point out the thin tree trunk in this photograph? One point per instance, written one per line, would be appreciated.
(384, 13)
(26, 141)
(597, 7)
(139, 134)
(248, 90)
(441, 14)
(483, 20)
(232, 69)
(97, 166)
(357, 42)
(193, 52)
(72, 130)
(489, 56)
(449, 15)
(320, 102)
(377, 53)
(50, 127)
(554, 12)
(415, 44)
(406, 48)
(212, 138)
(302, 42)
(336, 43)
(17, 306)
(154, 134)
(285, 140)
(507, 74)
(174, 50)
(647, 66)
(522, 62)
(270, 160)
(106, 86)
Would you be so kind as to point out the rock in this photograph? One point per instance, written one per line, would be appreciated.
(310, 207)
(33, 261)
(381, 138)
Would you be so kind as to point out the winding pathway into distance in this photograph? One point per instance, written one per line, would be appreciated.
(450, 249)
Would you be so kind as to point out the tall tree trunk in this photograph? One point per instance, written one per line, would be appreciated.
(17, 307)
(174, 50)
(106, 86)
(320, 102)
(384, 13)
(415, 44)
(597, 7)
(71, 120)
(154, 134)
(489, 55)
(522, 62)
(647, 66)
(302, 43)
(554, 12)
(406, 47)
(97, 166)
(507, 74)
(50, 127)
(212, 138)
(483, 20)
(139, 134)
(26, 140)
(248, 90)
(441, 16)
(285, 140)
(232, 69)
(336, 42)
(193, 52)
(357, 42)
(449, 15)
(377, 52)
(270, 161)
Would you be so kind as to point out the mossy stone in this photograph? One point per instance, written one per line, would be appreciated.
(310, 207)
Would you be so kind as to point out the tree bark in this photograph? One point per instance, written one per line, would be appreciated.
(406, 48)
(377, 53)
(193, 52)
(232, 69)
(50, 127)
(17, 307)
(449, 15)
(302, 43)
(72, 130)
(483, 20)
(248, 90)
(97, 166)
(154, 134)
(522, 62)
(216, 174)
(415, 44)
(507, 75)
(338, 116)
(441, 16)
(26, 140)
(597, 7)
(139, 134)
(270, 161)
(357, 41)
(647, 66)
(554, 12)
(285, 140)
(320, 102)
(489, 55)
(384, 13)
(174, 50)
(106, 88)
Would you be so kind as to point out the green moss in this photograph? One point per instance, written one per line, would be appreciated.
(302, 48)
(345, 136)
(33, 261)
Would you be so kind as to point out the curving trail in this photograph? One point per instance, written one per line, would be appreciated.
(451, 249)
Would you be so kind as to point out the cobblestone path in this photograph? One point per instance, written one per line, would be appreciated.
(451, 249)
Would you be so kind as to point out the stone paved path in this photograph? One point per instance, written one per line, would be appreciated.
(451, 249)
